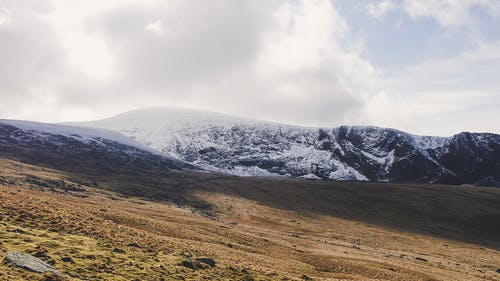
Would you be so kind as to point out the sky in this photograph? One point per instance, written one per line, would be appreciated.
(427, 67)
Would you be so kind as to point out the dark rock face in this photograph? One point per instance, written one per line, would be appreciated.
(343, 153)
(474, 158)
(386, 154)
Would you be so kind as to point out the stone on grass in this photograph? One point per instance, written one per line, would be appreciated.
(209, 261)
(191, 264)
(29, 262)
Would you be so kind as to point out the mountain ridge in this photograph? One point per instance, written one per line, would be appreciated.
(71, 147)
(248, 147)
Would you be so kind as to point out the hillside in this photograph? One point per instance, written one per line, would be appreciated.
(75, 148)
(159, 223)
(251, 233)
(246, 147)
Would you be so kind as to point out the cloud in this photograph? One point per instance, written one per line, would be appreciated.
(31, 59)
(246, 58)
(447, 13)
(155, 27)
(450, 13)
(442, 97)
(472, 70)
(287, 61)
(380, 8)
(4, 17)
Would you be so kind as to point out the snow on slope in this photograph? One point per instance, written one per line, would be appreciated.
(155, 127)
(180, 133)
(242, 146)
(246, 147)
(426, 142)
(43, 131)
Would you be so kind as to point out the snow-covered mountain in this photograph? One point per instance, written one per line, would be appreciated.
(64, 145)
(248, 147)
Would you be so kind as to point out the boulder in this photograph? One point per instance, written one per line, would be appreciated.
(29, 262)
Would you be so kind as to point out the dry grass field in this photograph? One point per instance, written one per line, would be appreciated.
(162, 226)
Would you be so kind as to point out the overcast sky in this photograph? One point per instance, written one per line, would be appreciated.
(423, 66)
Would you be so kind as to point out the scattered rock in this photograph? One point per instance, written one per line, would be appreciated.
(305, 277)
(211, 262)
(67, 259)
(421, 259)
(41, 252)
(356, 247)
(30, 263)
(498, 270)
(118, 250)
(133, 244)
(53, 277)
(191, 264)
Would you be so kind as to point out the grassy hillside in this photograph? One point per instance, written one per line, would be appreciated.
(154, 225)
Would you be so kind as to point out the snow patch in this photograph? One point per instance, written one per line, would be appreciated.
(83, 134)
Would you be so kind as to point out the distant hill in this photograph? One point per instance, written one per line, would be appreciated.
(73, 148)
(247, 147)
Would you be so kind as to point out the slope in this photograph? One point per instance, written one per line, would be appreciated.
(254, 229)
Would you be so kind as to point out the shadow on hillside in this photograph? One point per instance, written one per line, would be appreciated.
(468, 214)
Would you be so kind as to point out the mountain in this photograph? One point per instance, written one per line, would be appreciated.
(247, 147)
(72, 148)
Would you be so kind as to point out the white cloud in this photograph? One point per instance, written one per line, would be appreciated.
(289, 61)
(156, 27)
(449, 13)
(441, 97)
(446, 12)
(86, 52)
(380, 8)
(4, 17)
(475, 69)
(244, 58)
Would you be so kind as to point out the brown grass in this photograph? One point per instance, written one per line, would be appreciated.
(252, 232)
